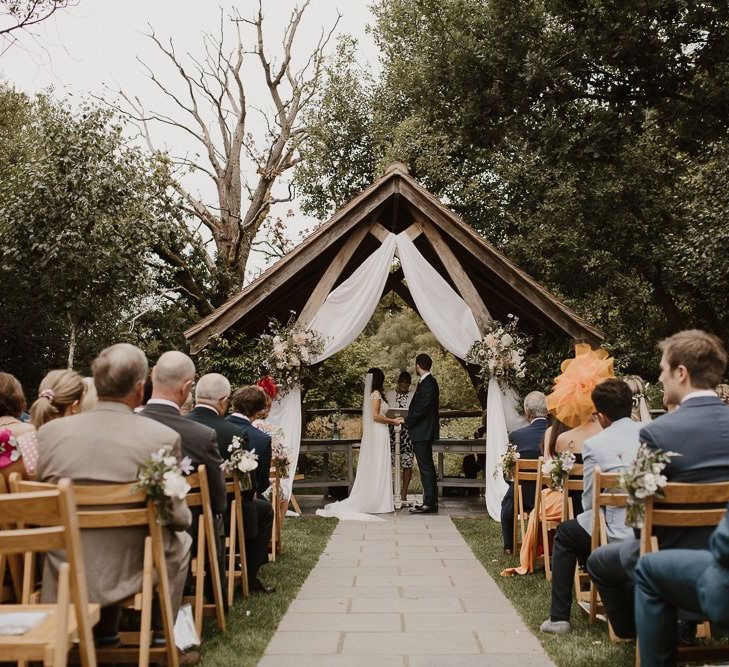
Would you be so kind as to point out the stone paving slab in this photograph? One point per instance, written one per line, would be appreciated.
(407, 592)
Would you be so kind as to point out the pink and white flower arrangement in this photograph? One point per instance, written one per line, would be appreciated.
(163, 480)
(8, 446)
(558, 469)
(500, 353)
(288, 350)
(507, 462)
(643, 479)
(242, 460)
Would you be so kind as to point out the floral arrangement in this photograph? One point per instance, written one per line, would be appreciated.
(242, 460)
(558, 468)
(507, 463)
(500, 353)
(163, 480)
(280, 453)
(8, 445)
(288, 350)
(643, 479)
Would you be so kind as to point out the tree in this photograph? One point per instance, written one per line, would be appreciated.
(79, 216)
(19, 16)
(582, 141)
(214, 85)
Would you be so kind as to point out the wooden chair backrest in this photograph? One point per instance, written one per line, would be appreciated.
(103, 505)
(606, 492)
(572, 482)
(47, 520)
(194, 496)
(525, 470)
(686, 495)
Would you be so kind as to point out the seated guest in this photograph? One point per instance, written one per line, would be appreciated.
(90, 396)
(640, 406)
(61, 394)
(108, 445)
(12, 407)
(527, 441)
(722, 391)
(211, 403)
(695, 581)
(692, 364)
(611, 449)
(247, 403)
(172, 380)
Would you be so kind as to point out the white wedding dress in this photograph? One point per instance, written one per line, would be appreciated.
(372, 489)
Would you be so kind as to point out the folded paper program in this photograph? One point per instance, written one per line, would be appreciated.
(16, 623)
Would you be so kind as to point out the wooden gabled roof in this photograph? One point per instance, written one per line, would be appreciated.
(395, 202)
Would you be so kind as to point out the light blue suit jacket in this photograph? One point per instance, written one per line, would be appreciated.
(612, 449)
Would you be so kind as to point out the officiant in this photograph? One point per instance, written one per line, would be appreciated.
(400, 398)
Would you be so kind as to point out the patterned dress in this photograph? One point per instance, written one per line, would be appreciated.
(407, 455)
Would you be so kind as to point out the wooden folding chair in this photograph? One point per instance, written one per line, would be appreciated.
(606, 492)
(199, 497)
(572, 482)
(43, 521)
(236, 540)
(524, 471)
(675, 510)
(11, 583)
(120, 505)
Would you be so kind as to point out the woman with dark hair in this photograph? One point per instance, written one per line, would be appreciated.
(12, 404)
(372, 489)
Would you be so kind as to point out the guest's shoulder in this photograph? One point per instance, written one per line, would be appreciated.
(151, 427)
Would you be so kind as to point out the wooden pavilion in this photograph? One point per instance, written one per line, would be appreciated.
(489, 282)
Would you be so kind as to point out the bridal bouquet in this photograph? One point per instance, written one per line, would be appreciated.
(163, 479)
(243, 461)
(643, 479)
(288, 350)
(558, 468)
(8, 445)
(507, 463)
(500, 353)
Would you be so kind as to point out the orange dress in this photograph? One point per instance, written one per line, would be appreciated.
(552, 503)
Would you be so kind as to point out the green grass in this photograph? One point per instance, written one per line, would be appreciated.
(530, 595)
(251, 623)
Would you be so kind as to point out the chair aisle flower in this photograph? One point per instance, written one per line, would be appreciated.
(163, 480)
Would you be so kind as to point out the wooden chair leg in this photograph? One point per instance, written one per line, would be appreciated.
(145, 626)
(63, 602)
(200, 575)
(295, 503)
(274, 529)
(515, 520)
(545, 545)
(232, 544)
(214, 569)
(241, 542)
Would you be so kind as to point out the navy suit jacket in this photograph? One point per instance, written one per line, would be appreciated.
(699, 432)
(422, 420)
(261, 443)
(528, 440)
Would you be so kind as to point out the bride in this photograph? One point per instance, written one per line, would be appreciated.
(372, 489)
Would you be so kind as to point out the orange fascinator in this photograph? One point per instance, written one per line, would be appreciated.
(571, 400)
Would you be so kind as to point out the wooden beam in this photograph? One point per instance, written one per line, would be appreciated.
(379, 232)
(334, 270)
(414, 231)
(458, 275)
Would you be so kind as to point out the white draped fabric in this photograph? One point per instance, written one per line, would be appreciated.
(350, 306)
(440, 306)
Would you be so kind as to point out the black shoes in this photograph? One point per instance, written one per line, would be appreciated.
(424, 509)
(259, 587)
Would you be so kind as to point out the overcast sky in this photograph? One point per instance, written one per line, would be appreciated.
(93, 49)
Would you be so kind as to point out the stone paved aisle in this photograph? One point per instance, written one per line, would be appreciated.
(406, 592)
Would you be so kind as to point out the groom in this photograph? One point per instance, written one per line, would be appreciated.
(422, 424)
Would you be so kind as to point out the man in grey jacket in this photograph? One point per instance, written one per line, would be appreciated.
(612, 449)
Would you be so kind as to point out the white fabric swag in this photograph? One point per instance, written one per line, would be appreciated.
(348, 309)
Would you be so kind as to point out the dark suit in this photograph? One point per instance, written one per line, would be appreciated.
(693, 580)
(423, 425)
(527, 441)
(261, 443)
(257, 513)
(699, 432)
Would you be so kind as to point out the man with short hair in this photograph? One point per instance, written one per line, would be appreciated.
(527, 441)
(423, 426)
(173, 377)
(248, 402)
(692, 364)
(611, 449)
(108, 445)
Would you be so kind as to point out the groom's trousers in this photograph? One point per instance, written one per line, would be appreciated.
(424, 456)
